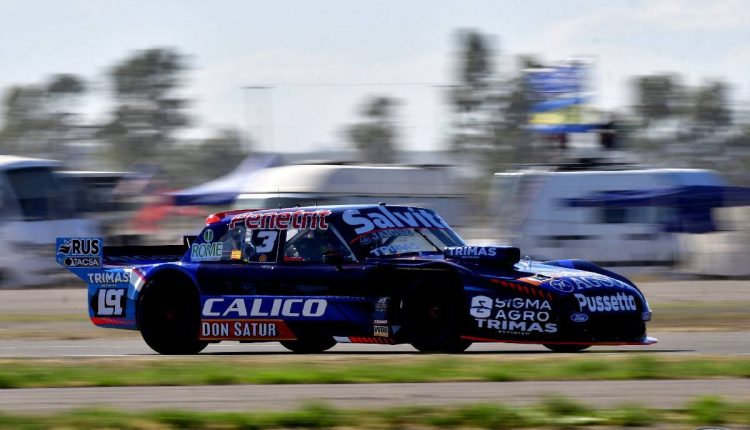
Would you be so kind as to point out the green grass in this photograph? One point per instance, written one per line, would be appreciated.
(334, 369)
(552, 412)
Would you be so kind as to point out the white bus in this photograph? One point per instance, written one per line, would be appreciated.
(533, 210)
(35, 208)
(330, 184)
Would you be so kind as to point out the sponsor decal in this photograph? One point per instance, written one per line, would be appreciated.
(109, 302)
(236, 254)
(82, 262)
(263, 307)
(206, 251)
(519, 316)
(109, 278)
(563, 285)
(208, 235)
(384, 218)
(80, 252)
(505, 255)
(300, 219)
(381, 304)
(571, 283)
(481, 307)
(398, 248)
(612, 303)
(380, 331)
(471, 251)
(80, 247)
(381, 235)
(579, 317)
(256, 329)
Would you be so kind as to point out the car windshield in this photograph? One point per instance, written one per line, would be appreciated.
(404, 241)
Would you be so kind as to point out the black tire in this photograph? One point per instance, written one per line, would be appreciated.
(566, 347)
(169, 318)
(309, 345)
(434, 314)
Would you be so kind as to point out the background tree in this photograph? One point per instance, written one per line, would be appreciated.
(147, 112)
(472, 94)
(658, 97)
(206, 159)
(375, 137)
(40, 119)
(511, 138)
(63, 94)
(710, 109)
(23, 117)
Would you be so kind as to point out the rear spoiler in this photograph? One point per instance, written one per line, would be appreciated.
(127, 255)
(82, 255)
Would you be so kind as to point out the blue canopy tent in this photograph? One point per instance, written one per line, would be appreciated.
(692, 203)
(223, 190)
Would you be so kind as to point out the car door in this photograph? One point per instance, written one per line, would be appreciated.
(318, 263)
(247, 265)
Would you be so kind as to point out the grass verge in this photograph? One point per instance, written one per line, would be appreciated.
(334, 369)
(550, 413)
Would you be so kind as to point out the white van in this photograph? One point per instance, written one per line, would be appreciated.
(533, 210)
(35, 208)
(331, 184)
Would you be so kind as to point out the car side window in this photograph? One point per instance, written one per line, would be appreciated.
(261, 246)
(311, 245)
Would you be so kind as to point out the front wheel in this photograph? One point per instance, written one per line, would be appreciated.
(309, 345)
(566, 347)
(434, 316)
(169, 319)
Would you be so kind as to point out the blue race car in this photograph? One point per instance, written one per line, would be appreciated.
(313, 276)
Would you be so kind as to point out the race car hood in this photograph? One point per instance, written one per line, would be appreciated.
(589, 291)
(581, 283)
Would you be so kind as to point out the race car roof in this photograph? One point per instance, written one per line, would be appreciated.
(227, 216)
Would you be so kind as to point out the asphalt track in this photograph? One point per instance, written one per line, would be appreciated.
(670, 343)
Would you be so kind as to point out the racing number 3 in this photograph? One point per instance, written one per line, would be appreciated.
(269, 240)
(110, 302)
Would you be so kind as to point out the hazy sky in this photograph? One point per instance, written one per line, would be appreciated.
(295, 46)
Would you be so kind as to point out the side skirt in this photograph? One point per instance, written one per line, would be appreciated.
(646, 341)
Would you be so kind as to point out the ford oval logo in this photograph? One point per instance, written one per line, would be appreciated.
(579, 317)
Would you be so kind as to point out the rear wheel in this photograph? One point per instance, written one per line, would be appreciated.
(309, 345)
(169, 318)
(566, 347)
(434, 316)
